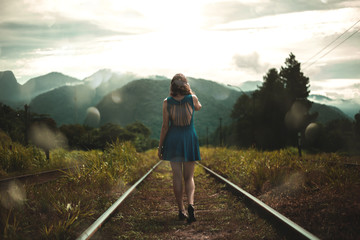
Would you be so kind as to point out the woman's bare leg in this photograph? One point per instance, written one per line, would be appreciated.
(177, 183)
(189, 181)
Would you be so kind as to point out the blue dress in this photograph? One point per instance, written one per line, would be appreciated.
(181, 143)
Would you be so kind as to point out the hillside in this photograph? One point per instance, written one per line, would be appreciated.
(141, 100)
(9, 87)
(16, 95)
(327, 113)
(45, 83)
(105, 81)
(66, 105)
(349, 107)
(69, 104)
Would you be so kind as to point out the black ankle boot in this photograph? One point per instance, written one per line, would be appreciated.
(182, 216)
(191, 213)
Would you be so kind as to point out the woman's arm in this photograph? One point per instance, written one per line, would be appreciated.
(164, 128)
(197, 104)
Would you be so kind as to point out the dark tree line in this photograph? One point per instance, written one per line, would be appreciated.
(30, 128)
(276, 115)
(85, 137)
(273, 115)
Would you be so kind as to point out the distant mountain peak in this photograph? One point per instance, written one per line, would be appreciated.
(7, 76)
(9, 87)
(349, 107)
(158, 77)
(317, 97)
(99, 77)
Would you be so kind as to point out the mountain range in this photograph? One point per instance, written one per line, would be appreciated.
(123, 98)
(349, 107)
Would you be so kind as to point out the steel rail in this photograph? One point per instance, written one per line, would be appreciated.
(90, 231)
(296, 231)
(37, 174)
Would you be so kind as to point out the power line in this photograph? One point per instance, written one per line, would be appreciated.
(330, 44)
(332, 49)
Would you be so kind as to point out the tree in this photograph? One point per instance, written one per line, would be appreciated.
(295, 83)
(270, 111)
(142, 140)
(111, 132)
(357, 124)
(243, 114)
(260, 117)
(12, 123)
(76, 135)
(139, 128)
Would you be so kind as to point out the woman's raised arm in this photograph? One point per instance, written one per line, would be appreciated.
(197, 104)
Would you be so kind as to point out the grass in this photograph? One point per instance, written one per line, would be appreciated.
(16, 159)
(317, 191)
(258, 170)
(62, 209)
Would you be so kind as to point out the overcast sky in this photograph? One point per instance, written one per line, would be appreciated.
(225, 41)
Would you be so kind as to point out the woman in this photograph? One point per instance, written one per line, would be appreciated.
(178, 141)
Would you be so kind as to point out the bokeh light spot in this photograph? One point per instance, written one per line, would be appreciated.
(92, 117)
(12, 195)
(312, 132)
(115, 96)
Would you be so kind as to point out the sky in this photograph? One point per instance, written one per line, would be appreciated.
(225, 41)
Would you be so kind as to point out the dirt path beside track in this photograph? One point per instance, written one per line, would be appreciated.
(151, 213)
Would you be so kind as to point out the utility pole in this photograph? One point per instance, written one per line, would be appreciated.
(26, 124)
(220, 133)
(207, 137)
(76, 110)
(299, 144)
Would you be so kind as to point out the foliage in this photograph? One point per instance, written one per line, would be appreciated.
(337, 135)
(15, 157)
(18, 159)
(41, 131)
(357, 124)
(274, 115)
(258, 171)
(260, 117)
(12, 123)
(63, 208)
(296, 85)
(85, 137)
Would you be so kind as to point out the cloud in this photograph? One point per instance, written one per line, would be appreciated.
(337, 88)
(222, 12)
(348, 69)
(19, 38)
(27, 26)
(250, 61)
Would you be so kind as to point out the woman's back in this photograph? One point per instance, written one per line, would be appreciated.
(180, 111)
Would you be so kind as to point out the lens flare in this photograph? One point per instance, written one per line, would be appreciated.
(312, 132)
(115, 96)
(99, 77)
(221, 95)
(92, 117)
(295, 117)
(12, 195)
(44, 137)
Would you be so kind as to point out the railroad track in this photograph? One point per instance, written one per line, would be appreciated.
(37, 178)
(150, 212)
